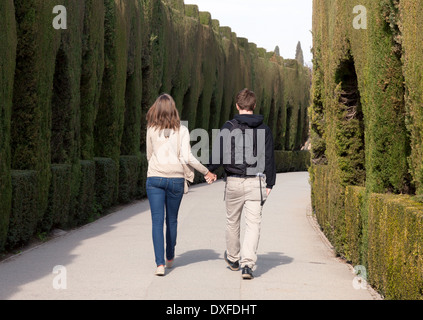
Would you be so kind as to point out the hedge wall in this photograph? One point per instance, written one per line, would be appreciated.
(85, 210)
(291, 161)
(328, 204)
(7, 69)
(106, 183)
(396, 225)
(92, 69)
(355, 238)
(109, 121)
(365, 120)
(367, 91)
(59, 204)
(24, 214)
(383, 232)
(72, 134)
(31, 118)
(412, 43)
(129, 175)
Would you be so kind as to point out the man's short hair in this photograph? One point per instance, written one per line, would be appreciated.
(246, 100)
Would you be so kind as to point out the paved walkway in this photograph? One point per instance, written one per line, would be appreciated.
(112, 258)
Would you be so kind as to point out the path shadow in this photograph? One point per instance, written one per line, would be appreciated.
(195, 256)
(270, 260)
(265, 262)
(16, 272)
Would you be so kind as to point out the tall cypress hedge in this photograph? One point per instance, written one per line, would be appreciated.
(131, 136)
(38, 43)
(386, 134)
(24, 215)
(92, 68)
(366, 122)
(109, 122)
(412, 43)
(7, 68)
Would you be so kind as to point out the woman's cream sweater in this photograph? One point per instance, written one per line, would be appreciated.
(162, 153)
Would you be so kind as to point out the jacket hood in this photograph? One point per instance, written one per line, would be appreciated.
(252, 120)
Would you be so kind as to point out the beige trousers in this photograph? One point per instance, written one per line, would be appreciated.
(243, 195)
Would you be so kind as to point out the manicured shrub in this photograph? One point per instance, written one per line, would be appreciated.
(290, 161)
(319, 194)
(395, 263)
(130, 141)
(129, 172)
(177, 4)
(7, 70)
(354, 202)
(328, 197)
(106, 182)
(191, 10)
(142, 178)
(66, 95)
(358, 92)
(386, 138)
(60, 200)
(205, 18)
(85, 209)
(365, 121)
(37, 45)
(412, 45)
(92, 68)
(24, 215)
(110, 117)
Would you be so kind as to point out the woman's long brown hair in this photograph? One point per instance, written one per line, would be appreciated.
(163, 114)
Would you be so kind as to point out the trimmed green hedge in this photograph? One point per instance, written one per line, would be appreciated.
(395, 261)
(59, 204)
(106, 182)
(354, 228)
(37, 47)
(92, 69)
(411, 13)
(129, 173)
(366, 127)
(290, 161)
(319, 193)
(7, 70)
(382, 232)
(358, 97)
(108, 128)
(24, 214)
(142, 178)
(328, 203)
(131, 136)
(85, 202)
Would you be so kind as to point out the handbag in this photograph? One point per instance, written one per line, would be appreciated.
(188, 171)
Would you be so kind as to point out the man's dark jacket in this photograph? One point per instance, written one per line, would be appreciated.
(254, 122)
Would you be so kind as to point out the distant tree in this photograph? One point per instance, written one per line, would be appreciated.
(277, 51)
(299, 54)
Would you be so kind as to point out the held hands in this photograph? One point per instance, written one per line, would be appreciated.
(210, 177)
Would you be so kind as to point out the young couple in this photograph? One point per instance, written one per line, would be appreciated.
(247, 184)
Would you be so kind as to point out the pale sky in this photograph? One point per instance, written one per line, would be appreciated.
(267, 23)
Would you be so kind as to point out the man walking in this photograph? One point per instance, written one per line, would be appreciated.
(245, 149)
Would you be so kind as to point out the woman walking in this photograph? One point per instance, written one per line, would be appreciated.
(168, 149)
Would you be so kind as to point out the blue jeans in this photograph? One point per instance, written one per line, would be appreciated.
(164, 193)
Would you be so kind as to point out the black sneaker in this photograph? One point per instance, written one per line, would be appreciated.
(234, 266)
(247, 273)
